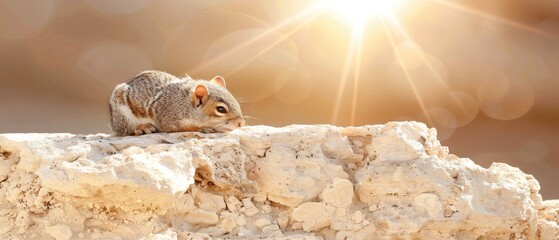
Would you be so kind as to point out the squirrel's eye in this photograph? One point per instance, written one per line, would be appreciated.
(221, 109)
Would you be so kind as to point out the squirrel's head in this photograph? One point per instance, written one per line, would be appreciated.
(221, 111)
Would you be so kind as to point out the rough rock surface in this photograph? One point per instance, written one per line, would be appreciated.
(392, 181)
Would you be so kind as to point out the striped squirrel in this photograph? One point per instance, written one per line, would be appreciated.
(155, 101)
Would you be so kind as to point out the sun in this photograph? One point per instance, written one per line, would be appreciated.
(358, 12)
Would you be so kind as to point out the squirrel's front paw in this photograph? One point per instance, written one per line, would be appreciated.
(145, 129)
(207, 130)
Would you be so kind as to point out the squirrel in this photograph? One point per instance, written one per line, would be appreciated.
(155, 101)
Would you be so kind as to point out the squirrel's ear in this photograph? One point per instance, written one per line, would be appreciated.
(200, 95)
(219, 80)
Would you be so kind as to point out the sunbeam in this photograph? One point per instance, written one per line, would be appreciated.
(492, 17)
(406, 73)
(356, 75)
(281, 39)
(357, 14)
(307, 12)
(355, 38)
(430, 67)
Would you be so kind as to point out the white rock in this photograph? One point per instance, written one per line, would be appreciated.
(290, 180)
(210, 201)
(297, 226)
(201, 216)
(283, 221)
(241, 220)
(266, 209)
(338, 194)
(271, 228)
(250, 208)
(252, 211)
(260, 197)
(357, 217)
(247, 202)
(262, 222)
(431, 203)
(134, 174)
(243, 232)
(229, 223)
(293, 182)
(185, 203)
(213, 231)
(399, 142)
(341, 212)
(313, 215)
(233, 204)
(59, 232)
(165, 235)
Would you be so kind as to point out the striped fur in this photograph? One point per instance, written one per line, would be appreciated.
(155, 101)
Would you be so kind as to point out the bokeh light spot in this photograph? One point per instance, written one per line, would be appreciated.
(463, 106)
(442, 119)
(504, 99)
(24, 18)
(113, 63)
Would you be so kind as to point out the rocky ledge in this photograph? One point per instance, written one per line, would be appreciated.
(392, 181)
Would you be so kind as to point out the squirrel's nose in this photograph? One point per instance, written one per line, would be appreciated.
(241, 122)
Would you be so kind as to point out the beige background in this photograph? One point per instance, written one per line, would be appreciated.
(485, 74)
